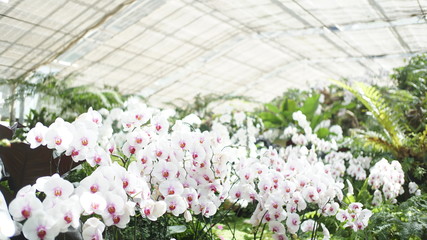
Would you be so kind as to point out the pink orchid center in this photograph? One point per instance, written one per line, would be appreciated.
(171, 191)
(38, 139)
(172, 207)
(97, 159)
(138, 140)
(158, 127)
(94, 188)
(95, 237)
(85, 142)
(165, 174)
(95, 205)
(57, 192)
(125, 183)
(26, 212)
(132, 149)
(111, 209)
(58, 141)
(41, 232)
(116, 219)
(294, 222)
(74, 153)
(206, 177)
(147, 211)
(68, 219)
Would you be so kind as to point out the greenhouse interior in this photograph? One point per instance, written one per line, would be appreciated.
(213, 119)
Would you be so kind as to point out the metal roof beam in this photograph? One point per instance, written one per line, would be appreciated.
(381, 12)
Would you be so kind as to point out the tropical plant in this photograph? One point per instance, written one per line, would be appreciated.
(58, 96)
(394, 136)
(407, 220)
(412, 84)
(317, 106)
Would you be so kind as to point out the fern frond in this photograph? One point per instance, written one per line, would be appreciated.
(375, 141)
(372, 99)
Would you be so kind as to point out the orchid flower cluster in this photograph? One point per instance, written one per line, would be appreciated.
(354, 217)
(390, 177)
(143, 164)
(286, 184)
(174, 170)
(243, 130)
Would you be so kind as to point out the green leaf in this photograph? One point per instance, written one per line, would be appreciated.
(310, 106)
(270, 117)
(291, 105)
(349, 199)
(316, 119)
(322, 133)
(364, 196)
(272, 108)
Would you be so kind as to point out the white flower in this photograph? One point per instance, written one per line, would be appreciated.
(98, 156)
(56, 187)
(160, 124)
(36, 136)
(92, 229)
(22, 208)
(93, 203)
(59, 136)
(293, 222)
(171, 187)
(175, 204)
(276, 227)
(40, 226)
(192, 119)
(165, 170)
(7, 226)
(308, 225)
(413, 187)
(92, 116)
(325, 232)
(153, 210)
(67, 213)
